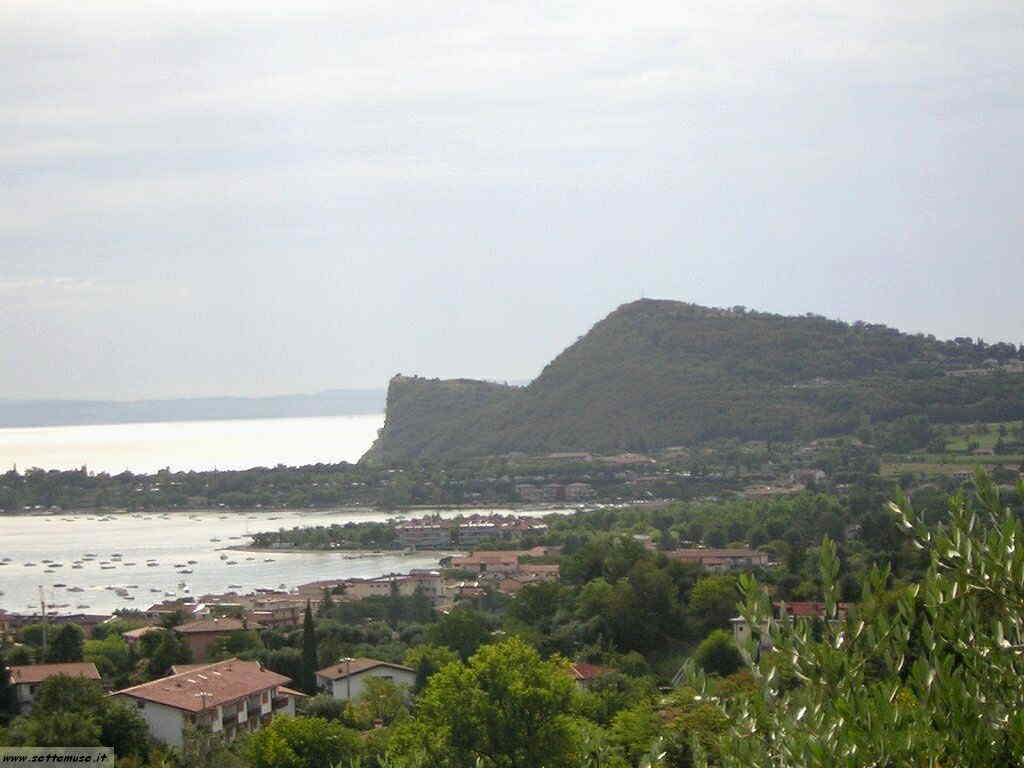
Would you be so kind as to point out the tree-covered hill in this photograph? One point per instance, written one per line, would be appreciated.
(660, 373)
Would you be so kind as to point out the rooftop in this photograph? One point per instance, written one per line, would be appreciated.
(212, 625)
(37, 673)
(211, 685)
(356, 666)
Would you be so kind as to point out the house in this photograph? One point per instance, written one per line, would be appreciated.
(782, 610)
(426, 533)
(577, 491)
(720, 559)
(489, 562)
(26, 679)
(227, 697)
(585, 674)
(188, 607)
(347, 679)
(539, 572)
(200, 636)
(529, 492)
(133, 636)
(815, 476)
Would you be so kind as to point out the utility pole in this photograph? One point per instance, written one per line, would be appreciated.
(42, 607)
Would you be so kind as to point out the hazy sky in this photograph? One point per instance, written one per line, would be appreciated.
(249, 197)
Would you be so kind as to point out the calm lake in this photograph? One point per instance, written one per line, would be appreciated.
(170, 540)
(185, 445)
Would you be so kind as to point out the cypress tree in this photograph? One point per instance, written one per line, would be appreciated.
(8, 697)
(308, 682)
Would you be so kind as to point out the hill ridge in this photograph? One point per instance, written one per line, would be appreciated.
(657, 372)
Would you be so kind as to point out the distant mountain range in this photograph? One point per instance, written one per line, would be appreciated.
(45, 413)
(655, 374)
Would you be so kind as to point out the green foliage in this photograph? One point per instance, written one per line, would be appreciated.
(169, 650)
(426, 660)
(74, 711)
(309, 656)
(205, 749)
(112, 657)
(381, 700)
(302, 742)
(922, 675)
(507, 706)
(325, 706)
(8, 696)
(717, 654)
(713, 600)
(463, 631)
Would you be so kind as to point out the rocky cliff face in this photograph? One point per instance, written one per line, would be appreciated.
(422, 415)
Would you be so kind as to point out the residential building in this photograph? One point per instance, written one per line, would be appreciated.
(489, 562)
(783, 610)
(586, 674)
(529, 492)
(347, 679)
(719, 560)
(26, 679)
(530, 572)
(578, 491)
(424, 534)
(227, 697)
(200, 636)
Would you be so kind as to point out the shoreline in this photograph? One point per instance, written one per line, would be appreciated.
(350, 554)
(344, 510)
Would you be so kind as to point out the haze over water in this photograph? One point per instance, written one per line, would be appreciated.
(190, 445)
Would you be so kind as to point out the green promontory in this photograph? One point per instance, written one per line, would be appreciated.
(659, 373)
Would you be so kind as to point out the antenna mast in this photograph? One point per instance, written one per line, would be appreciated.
(42, 607)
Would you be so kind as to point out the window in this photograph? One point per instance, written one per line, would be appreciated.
(140, 704)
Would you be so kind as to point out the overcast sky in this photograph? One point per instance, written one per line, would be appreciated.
(246, 197)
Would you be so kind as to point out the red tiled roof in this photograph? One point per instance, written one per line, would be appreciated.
(582, 671)
(809, 609)
(208, 686)
(37, 673)
(707, 553)
(356, 666)
(211, 625)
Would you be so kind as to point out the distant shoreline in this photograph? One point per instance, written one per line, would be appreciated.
(262, 511)
(350, 554)
(26, 414)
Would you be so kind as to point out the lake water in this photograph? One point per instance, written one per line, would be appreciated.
(171, 540)
(187, 445)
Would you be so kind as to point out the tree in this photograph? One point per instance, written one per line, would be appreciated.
(66, 645)
(507, 707)
(302, 742)
(170, 650)
(718, 655)
(201, 748)
(380, 700)
(713, 600)
(462, 630)
(326, 606)
(925, 675)
(8, 696)
(123, 729)
(426, 660)
(421, 609)
(308, 681)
